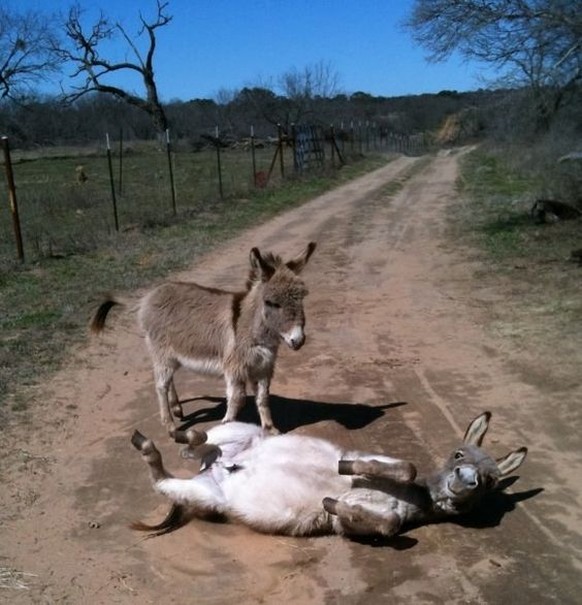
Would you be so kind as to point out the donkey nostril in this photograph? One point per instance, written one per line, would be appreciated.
(296, 342)
(467, 477)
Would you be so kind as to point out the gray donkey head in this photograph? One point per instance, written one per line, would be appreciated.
(469, 473)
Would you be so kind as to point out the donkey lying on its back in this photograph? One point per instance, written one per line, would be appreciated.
(298, 485)
(234, 334)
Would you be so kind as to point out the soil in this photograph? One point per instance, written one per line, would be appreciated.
(398, 359)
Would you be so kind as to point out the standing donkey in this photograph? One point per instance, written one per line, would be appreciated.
(212, 331)
(298, 485)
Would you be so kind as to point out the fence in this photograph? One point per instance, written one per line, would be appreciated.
(64, 201)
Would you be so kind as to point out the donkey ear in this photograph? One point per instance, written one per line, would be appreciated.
(512, 461)
(258, 263)
(298, 263)
(477, 429)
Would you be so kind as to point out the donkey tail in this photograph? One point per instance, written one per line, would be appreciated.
(98, 322)
(177, 517)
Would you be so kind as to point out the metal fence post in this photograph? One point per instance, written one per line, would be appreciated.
(120, 186)
(12, 197)
(112, 183)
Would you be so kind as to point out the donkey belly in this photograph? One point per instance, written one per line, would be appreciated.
(281, 484)
(203, 365)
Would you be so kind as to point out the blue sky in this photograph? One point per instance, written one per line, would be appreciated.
(213, 45)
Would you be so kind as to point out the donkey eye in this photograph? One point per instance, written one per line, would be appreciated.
(272, 304)
(458, 455)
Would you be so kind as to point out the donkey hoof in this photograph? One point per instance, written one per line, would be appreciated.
(177, 435)
(345, 467)
(138, 440)
(195, 437)
(188, 453)
(406, 472)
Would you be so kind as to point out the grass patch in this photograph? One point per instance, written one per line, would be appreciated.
(46, 302)
(497, 208)
(529, 263)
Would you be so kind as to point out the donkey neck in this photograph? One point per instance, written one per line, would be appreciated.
(438, 495)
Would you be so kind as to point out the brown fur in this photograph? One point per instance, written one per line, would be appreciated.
(234, 334)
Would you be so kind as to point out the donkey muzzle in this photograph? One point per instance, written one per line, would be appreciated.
(464, 479)
(295, 338)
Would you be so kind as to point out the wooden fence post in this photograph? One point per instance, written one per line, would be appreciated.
(172, 184)
(295, 148)
(120, 186)
(217, 142)
(253, 155)
(12, 197)
(281, 161)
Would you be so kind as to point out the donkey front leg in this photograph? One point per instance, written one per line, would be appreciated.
(262, 400)
(358, 520)
(379, 466)
(235, 397)
(163, 376)
(174, 402)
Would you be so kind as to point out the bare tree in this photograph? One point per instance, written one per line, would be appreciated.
(98, 72)
(301, 87)
(536, 42)
(26, 57)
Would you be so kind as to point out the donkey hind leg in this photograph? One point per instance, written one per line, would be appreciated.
(262, 400)
(174, 402)
(163, 377)
(202, 491)
(358, 520)
(198, 496)
(235, 397)
(151, 456)
(377, 466)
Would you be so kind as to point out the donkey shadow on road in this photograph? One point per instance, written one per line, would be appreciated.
(289, 414)
(488, 513)
(495, 505)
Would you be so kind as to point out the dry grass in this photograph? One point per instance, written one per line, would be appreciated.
(11, 579)
(530, 264)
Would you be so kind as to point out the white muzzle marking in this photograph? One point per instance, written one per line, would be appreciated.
(294, 338)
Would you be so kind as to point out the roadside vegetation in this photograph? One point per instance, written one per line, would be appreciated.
(529, 265)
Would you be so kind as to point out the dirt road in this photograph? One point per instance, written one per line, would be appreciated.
(397, 360)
